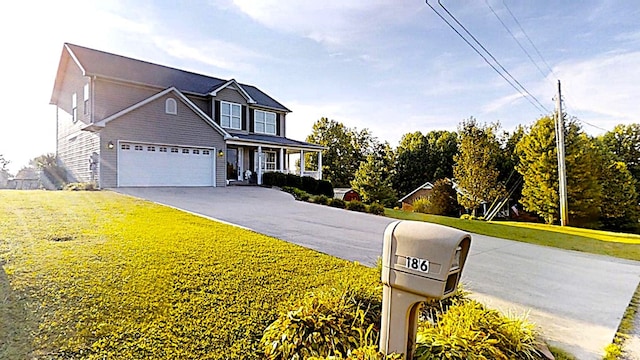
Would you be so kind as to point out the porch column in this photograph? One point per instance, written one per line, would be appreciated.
(259, 179)
(319, 165)
(301, 162)
(281, 160)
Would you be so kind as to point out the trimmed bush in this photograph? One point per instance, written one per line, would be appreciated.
(356, 206)
(293, 180)
(362, 353)
(376, 209)
(470, 331)
(337, 203)
(325, 188)
(309, 184)
(321, 199)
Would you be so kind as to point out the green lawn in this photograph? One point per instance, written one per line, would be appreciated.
(620, 245)
(99, 275)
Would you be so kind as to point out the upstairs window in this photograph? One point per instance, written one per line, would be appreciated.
(171, 106)
(86, 99)
(230, 115)
(265, 122)
(74, 107)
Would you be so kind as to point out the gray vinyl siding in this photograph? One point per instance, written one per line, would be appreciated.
(151, 124)
(231, 95)
(74, 146)
(112, 97)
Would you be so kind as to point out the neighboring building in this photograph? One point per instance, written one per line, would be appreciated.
(346, 194)
(26, 179)
(125, 122)
(4, 179)
(422, 191)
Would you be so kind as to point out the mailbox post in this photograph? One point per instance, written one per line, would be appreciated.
(420, 261)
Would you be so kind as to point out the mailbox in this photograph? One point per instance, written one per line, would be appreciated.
(420, 261)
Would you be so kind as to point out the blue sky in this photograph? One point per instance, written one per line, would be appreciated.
(391, 66)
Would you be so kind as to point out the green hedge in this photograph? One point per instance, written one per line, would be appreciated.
(305, 183)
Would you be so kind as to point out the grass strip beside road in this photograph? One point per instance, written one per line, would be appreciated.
(100, 275)
(625, 246)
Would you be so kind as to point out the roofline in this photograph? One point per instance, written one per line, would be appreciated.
(416, 190)
(102, 123)
(237, 141)
(249, 99)
(75, 59)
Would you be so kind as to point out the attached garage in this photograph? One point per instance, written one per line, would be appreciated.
(143, 164)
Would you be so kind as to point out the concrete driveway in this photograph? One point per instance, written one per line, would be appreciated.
(576, 299)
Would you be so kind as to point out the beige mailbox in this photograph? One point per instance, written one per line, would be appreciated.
(420, 261)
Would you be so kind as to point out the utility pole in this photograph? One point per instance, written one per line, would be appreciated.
(562, 170)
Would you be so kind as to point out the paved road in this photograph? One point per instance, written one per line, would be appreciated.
(577, 299)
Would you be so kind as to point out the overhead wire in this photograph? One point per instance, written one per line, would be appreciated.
(522, 90)
(528, 38)
(516, 39)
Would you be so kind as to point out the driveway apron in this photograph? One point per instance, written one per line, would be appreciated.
(576, 299)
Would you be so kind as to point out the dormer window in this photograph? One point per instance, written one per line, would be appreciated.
(265, 122)
(171, 106)
(230, 115)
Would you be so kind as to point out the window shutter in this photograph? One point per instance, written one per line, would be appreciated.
(217, 111)
(251, 125)
(244, 117)
(278, 124)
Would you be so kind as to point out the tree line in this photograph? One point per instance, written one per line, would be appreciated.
(489, 165)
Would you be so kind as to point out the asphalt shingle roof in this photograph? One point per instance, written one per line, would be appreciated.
(119, 67)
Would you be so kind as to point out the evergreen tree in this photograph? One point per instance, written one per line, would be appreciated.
(442, 200)
(475, 168)
(539, 169)
(373, 178)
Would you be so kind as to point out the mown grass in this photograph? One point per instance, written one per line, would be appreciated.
(101, 275)
(624, 246)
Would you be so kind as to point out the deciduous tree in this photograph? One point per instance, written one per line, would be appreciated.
(624, 142)
(475, 168)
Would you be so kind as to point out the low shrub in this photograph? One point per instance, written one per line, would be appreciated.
(320, 199)
(337, 203)
(362, 353)
(467, 217)
(356, 205)
(309, 184)
(324, 324)
(85, 186)
(325, 188)
(292, 180)
(470, 331)
(376, 209)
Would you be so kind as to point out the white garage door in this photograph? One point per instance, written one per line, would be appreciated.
(161, 165)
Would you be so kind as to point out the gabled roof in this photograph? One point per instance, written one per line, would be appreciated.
(111, 66)
(426, 186)
(102, 123)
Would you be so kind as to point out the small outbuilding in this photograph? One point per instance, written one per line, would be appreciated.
(422, 191)
(346, 194)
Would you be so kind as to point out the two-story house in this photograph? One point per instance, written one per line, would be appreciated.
(126, 122)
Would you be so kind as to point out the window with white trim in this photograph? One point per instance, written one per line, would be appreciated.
(125, 147)
(74, 107)
(163, 149)
(205, 152)
(174, 150)
(268, 161)
(185, 151)
(264, 122)
(230, 115)
(138, 148)
(86, 99)
(171, 106)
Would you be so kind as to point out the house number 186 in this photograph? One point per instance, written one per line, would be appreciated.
(417, 264)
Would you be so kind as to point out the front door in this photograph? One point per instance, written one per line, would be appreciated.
(234, 164)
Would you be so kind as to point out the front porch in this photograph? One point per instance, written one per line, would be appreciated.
(248, 159)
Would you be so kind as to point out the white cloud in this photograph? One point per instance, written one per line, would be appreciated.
(330, 22)
(220, 54)
(604, 88)
(501, 103)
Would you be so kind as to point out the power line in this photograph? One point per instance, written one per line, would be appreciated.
(528, 38)
(539, 105)
(516, 39)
